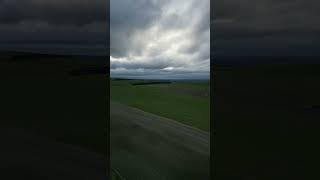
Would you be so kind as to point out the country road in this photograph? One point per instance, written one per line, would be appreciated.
(162, 148)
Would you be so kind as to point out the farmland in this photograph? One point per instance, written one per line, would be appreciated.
(160, 130)
(64, 100)
(188, 103)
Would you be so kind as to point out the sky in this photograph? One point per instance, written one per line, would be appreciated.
(160, 39)
(54, 26)
(265, 28)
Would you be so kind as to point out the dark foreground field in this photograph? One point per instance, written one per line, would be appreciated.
(266, 122)
(160, 131)
(65, 113)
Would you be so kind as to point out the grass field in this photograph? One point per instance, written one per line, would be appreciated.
(145, 146)
(42, 96)
(188, 103)
(149, 136)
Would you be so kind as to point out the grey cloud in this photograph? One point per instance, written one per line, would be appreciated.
(78, 12)
(245, 27)
(267, 14)
(128, 17)
(43, 23)
(154, 36)
(134, 14)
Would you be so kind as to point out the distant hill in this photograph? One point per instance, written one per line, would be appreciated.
(37, 64)
(23, 56)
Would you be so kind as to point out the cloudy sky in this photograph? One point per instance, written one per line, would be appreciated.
(160, 38)
(266, 27)
(55, 26)
(167, 38)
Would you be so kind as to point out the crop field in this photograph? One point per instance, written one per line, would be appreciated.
(160, 131)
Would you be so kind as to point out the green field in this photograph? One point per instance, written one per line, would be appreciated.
(149, 139)
(41, 96)
(188, 103)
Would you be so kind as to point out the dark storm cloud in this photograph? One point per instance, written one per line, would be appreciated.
(47, 22)
(128, 17)
(78, 12)
(267, 14)
(265, 26)
(41, 32)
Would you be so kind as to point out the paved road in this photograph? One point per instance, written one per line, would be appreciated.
(147, 146)
(24, 155)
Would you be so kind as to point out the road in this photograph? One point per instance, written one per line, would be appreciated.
(164, 148)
